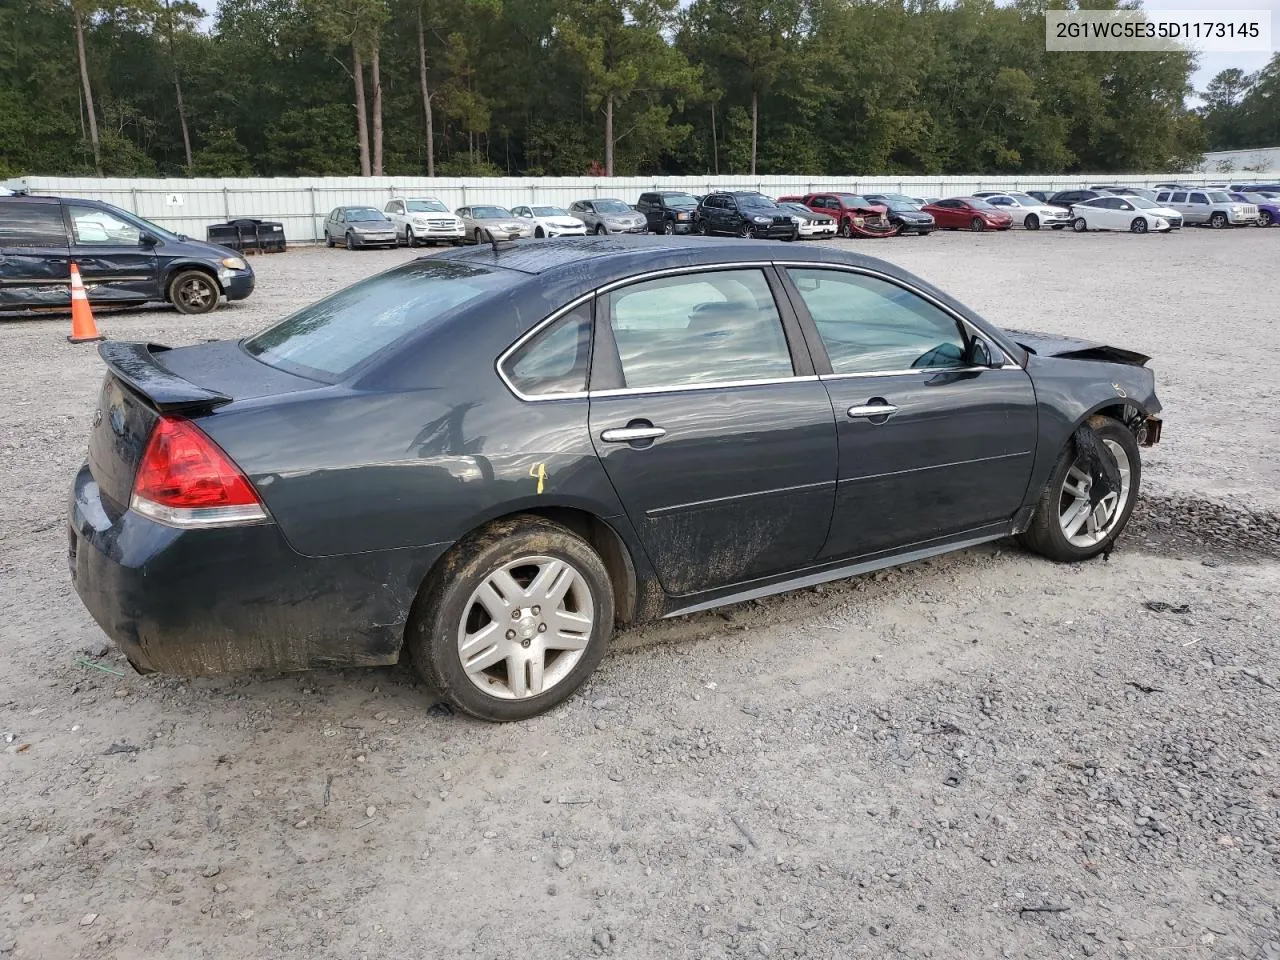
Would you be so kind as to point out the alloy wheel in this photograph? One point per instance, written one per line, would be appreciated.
(1084, 523)
(194, 294)
(668, 228)
(526, 627)
(977, 225)
(410, 240)
(1139, 225)
(1032, 222)
(1218, 221)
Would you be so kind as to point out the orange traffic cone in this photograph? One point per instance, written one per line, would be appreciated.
(83, 328)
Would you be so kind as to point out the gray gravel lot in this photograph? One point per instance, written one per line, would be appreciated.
(983, 755)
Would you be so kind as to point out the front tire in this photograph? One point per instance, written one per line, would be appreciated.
(668, 228)
(351, 241)
(1032, 222)
(846, 230)
(1067, 526)
(1264, 218)
(1139, 225)
(1078, 225)
(1218, 220)
(977, 225)
(744, 231)
(194, 292)
(600, 230)
(410, 240)
(523, 617)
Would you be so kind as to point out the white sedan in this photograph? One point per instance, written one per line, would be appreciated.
(1115, 213)
(1027, 210)
(551, 221)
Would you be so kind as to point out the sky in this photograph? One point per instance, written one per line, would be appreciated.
(1210, 63)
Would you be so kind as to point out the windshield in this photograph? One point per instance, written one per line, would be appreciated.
(1025, 199)
(756, 201)
(899, 206)
(681, 201)
(853, 200)
(899, 198)
(612, 206)
(426, 206)
(549, 212)
(329, 339)
(1218, 196)
(490, 213)
(362, 214)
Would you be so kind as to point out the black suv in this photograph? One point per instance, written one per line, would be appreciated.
(745, 213)
(123, 259)
(669, 211)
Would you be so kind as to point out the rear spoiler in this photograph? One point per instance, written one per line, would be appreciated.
(135, 365)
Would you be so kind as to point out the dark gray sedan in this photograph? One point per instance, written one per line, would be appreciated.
(357, 227)
(486, 459)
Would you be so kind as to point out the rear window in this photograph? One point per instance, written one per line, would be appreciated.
(31, 225)
(331, 338)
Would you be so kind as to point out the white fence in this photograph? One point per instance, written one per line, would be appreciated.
(1233, 162)
(301, 203)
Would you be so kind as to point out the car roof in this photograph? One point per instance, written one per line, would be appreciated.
(24, 198)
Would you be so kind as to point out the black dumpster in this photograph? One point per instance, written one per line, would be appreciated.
(248, 235)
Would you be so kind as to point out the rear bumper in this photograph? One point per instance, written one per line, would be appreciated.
(235, 599)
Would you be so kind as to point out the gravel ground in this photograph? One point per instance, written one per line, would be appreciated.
(983, 755)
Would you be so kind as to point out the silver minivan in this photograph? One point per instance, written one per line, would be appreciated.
(1214, 207)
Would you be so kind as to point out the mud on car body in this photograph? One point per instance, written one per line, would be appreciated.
(525, 445)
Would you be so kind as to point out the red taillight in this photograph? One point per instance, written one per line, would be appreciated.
(184, 479)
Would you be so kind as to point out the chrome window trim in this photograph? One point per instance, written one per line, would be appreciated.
(879, 275)
(551, 318)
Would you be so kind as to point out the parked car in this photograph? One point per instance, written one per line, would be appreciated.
(1261, 188)
(1115, 213)
(1151, 207)
(1026, 210)
(904, 213)
(609, 216)
(1268, 206)
(424, 220)
(968, 213)
(745, 213)
(484, 223)
(359, 227)
(813, 225)
(123, 259)
(669, 211)
(1067, 198)
(751, 428)
(551, 221)
(855, 215)
(1214, 207)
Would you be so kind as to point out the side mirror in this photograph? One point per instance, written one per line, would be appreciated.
(148, 239)
(983, 354)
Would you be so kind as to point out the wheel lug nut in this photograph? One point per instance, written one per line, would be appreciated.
(525, 643)
(536, 611)
(542, 628)
(515, 614)
(511, 634)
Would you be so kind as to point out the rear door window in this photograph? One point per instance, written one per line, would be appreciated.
(329, 339)
(38, 226)
(1199, 198)
(1179, 198)
(713, 327)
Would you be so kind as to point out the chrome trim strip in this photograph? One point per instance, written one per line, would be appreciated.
(529, 335)
(632, 434)
(671, 271)
(716, 501)
(934, 466)
(1008, 365)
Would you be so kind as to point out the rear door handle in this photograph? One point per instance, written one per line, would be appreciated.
(632, 434)
(880, 409)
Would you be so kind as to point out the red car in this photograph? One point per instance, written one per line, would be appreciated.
(855, 216)
(968, 213)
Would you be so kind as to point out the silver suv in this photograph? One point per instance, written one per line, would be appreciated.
(609, 216)
(1214, 207)
(423, 220)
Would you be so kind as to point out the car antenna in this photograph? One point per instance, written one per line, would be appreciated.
(494, 241)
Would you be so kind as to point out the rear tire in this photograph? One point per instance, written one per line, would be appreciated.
(1045, 535)
(453, 615)
(1078, 225)
(194, 292)
(1032, 222)
(1139, 225)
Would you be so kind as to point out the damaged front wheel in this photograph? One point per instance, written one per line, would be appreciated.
(1090, 493)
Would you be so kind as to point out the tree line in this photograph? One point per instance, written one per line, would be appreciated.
(571, 87)
(1242, 110)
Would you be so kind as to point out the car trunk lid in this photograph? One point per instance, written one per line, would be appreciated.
(147, 380)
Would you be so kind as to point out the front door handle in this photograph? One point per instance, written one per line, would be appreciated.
(876, 408)
(632, 434)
